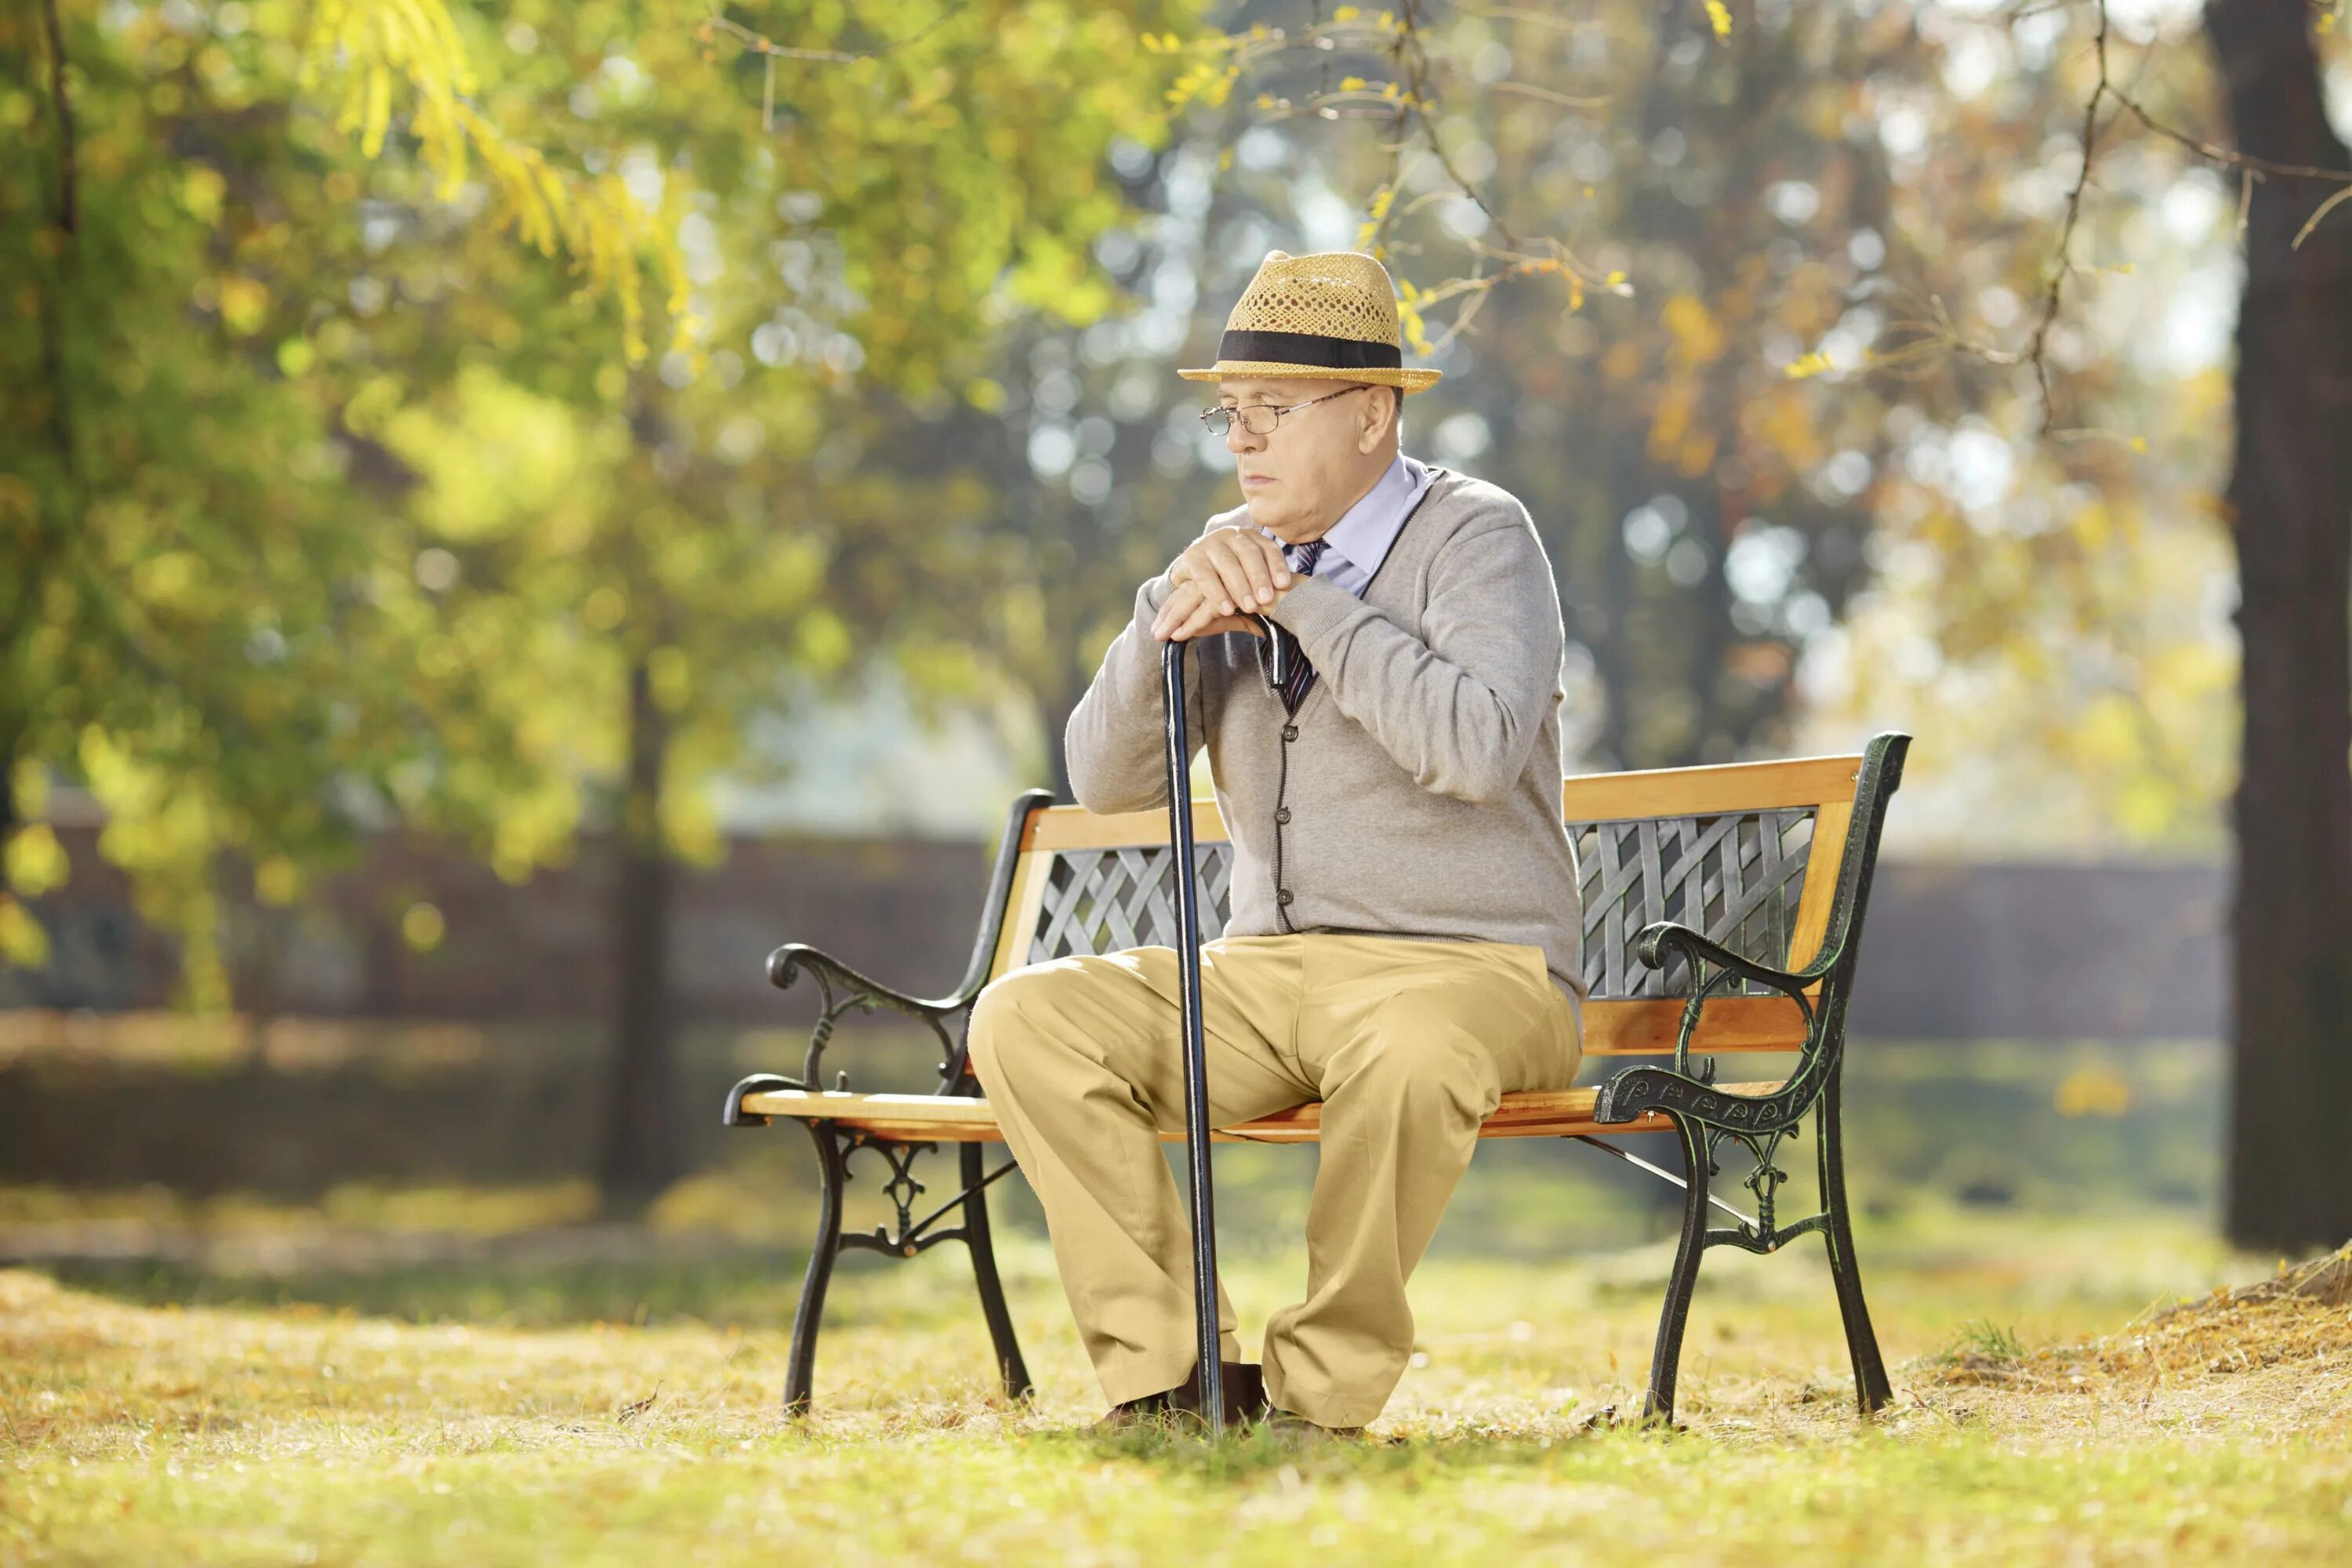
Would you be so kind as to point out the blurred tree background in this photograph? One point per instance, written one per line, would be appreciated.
(345, 486)
(483, 419)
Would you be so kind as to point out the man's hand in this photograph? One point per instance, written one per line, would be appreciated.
(1188, 613)
(1221, 580)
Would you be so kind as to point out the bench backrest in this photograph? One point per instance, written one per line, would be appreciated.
(1749, 854)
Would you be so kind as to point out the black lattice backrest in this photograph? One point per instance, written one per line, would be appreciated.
(1741, 865)
(1102, 901)
(1735, 878)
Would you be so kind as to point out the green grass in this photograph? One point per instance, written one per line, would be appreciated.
(324, 1414)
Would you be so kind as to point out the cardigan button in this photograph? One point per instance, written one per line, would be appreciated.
(1282, 815)
(1282, 895)
(1290, 731)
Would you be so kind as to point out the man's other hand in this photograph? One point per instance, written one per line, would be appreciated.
(1220, 581)
(1189, 612)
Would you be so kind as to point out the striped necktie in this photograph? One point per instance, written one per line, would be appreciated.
(1294, 657)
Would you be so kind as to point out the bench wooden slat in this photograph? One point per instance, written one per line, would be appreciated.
(1645, 1025)
(1075, 828)
(1821, 869)
(1709, 791)
(945, 1118)
(1023, 905)
(1587, 797)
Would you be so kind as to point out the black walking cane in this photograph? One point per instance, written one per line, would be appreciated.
(1196, 1079)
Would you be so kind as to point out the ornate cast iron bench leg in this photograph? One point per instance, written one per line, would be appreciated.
(1872, 1392)
(1658, 1402)
(980, 1241)
(809, 1317)
(910, 1237)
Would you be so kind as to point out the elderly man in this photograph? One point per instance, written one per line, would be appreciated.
(1403, 941)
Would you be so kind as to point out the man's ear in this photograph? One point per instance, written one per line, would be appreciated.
(1385, 433)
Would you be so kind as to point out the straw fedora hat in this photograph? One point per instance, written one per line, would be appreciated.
(1331, 316)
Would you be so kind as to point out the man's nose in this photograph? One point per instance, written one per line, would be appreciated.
(1239, 439)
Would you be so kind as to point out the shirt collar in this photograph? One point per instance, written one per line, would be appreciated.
(1366, 528)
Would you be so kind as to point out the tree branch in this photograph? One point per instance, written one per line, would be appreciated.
(2250, 169)
(69, 194)
(752, 42)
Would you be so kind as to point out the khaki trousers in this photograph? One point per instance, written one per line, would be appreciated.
(1409, 1044)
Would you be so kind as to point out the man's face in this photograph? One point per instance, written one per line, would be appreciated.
(1318, 461)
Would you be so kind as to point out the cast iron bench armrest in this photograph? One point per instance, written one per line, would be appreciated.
(1655, 938)
(1639, 1090)
(863, 991)
(785, 964)
(841, 989)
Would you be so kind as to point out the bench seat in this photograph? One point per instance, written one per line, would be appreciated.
(962, 1118)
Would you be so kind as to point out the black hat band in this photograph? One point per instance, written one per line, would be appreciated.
(1308, 348)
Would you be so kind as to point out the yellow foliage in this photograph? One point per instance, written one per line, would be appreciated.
(163, 579)
(1670, 421)
(277, 880)
(36, 861)
(2093, 1091)
(244, 302)
(369, 46)
(1409, 319)
(1698, 339)
(2094, 527)
(1718, 15)
(671, 675)
(162, 831)
(422, 927)
(202, 188)
(605, 608)
(22, 942)
(2109, 730)
(2146, 804)
(824, 642)
(32, 788)
(523, 459)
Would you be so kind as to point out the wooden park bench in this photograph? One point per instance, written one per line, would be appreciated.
(1723, 910)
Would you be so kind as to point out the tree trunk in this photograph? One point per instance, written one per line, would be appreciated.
(641, 1128)
(2290, 505)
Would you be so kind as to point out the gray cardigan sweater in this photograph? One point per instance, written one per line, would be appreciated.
(1417, 790)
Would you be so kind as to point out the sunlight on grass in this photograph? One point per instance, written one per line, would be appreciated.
(314, 1432)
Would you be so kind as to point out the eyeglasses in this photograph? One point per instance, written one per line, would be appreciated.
(1221, 419)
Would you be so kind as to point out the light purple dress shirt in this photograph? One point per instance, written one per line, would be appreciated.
(1360, 541)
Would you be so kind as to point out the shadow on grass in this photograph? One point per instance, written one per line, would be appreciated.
(753, 1290)
(1258, 1451)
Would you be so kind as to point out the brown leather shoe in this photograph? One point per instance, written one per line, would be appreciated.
(1294, 1427)
(1242, 1385)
